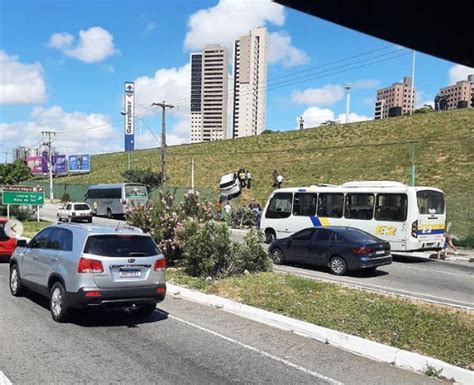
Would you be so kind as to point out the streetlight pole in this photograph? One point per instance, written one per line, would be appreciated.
(348, 88)
(163, 106)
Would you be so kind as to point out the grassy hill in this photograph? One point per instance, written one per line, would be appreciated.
(377, 150)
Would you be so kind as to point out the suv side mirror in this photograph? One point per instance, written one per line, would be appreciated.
(21, 243)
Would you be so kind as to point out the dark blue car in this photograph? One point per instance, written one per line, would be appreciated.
(339, 248)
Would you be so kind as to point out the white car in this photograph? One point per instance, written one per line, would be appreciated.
(229, 185)
(75, 212)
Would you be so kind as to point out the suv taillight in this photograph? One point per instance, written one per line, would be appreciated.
(87, 265)
(362, 250)
(160, 264)
(414, 229)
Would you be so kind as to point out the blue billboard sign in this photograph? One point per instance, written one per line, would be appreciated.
(59, 164)
(79, 163)
(129, 109)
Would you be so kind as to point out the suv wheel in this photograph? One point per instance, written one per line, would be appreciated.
(146, 311)
(270, 236)
(338, 266)
(16, 288)
(57, 303)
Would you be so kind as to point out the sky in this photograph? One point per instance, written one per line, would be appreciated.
(63, 65)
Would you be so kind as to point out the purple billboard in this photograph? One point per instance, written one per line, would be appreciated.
(59, 164)
(37, 164)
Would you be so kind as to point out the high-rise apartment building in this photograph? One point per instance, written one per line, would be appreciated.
(209, 94)
(459, 95)
(250, 76)
(396, 100)
(21, 153)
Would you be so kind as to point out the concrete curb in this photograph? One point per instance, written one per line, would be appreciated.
(366, 348)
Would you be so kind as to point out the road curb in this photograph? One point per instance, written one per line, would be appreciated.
(366, 348)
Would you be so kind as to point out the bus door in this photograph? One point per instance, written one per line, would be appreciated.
(430, 226)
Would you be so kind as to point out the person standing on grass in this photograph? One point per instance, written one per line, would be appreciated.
(279, 180)
(249, 178)
(275, 175)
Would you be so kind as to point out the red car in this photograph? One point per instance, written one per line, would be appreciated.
(7, 244)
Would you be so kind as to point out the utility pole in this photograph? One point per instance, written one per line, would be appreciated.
(348, 88)
(163, 106)
(47, 143)
(6, 156)
(192, 174)
(413, 165)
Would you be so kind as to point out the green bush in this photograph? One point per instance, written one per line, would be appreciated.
(242, 216)
(252, 257)
(22, 213)
(468, 241)
(65, 198)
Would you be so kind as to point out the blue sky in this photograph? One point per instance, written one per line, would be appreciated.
(63, 64)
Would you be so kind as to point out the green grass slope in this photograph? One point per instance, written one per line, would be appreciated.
(376, 150)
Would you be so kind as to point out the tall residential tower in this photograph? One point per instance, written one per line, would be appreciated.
(250, 77)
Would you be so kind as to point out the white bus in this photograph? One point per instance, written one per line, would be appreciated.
(115, 199)
(410, 218)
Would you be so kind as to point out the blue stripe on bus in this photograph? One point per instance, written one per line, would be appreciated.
(301, 190)
(315, 220)
(421, 232)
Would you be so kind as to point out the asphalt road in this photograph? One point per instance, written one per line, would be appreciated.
(448, 283)
(182, 343)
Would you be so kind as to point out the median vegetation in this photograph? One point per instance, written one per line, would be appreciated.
(434, 331)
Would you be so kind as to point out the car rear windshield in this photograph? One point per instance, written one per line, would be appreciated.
(120, 245)
(81, 207)
(355, 235)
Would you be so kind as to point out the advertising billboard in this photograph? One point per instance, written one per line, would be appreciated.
(37, 164)
(79, 163)
(59, 164)
(129, 109)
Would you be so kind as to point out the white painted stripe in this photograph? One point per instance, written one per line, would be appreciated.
(382, 289)
(4, 379)
(263, 353)
(436, 271)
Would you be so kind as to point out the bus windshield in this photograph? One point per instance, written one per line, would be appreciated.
(430, 202)
(135, 191)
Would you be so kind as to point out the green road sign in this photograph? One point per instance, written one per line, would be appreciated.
(23, 195)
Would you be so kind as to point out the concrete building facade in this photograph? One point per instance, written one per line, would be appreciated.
(458, 95)
(209, 106)
(396, 100)
(249, 76)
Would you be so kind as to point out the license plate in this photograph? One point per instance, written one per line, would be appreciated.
(380, 252)
(130, 274)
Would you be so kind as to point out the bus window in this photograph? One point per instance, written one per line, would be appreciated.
(304, 204)
(135, 191)
(430, 202)
(330, 205)
(359, 206)
(391, 207)
(279, 206)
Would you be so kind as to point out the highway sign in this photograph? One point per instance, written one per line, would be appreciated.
(23, 195)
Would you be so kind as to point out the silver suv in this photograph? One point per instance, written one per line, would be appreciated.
(94, 267)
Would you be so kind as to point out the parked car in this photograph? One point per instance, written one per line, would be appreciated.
(73, 212)
(339, 248)
(7, 244)
(229, 186)
(90, 267)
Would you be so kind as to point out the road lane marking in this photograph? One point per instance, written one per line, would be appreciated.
(253, 349)
(435, 271)
(385, 290)
(4, 379)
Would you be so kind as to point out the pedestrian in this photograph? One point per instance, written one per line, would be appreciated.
(227, 208)
(279, 180)
(242, 176)
(249, 178)
(448, 242)
(258, 215)
(275, 175)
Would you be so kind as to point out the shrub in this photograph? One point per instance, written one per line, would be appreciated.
(65, 198)
(242, 216)
(22, 213)
(252, 257)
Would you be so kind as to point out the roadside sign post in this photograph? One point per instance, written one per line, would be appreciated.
(23, 195)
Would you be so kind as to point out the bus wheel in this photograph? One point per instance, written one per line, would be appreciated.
(270, 235)
(109, 214)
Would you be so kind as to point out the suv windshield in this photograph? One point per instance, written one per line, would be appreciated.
(135, 191)
(430, 202)
(119, 245)
(81, 207)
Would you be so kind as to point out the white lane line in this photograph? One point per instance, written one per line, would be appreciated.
(4, 379)
(436, 271)
(385, 290)
(268, 355)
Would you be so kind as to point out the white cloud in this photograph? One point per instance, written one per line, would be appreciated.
(281, 50)
(95, 44)
(73, 128)
(315, 116)
(324, 96)
(230, 19)
(353, 117)
(20, 83)
(169, 84)
(366, 84)
(151, 26)
(459, 72)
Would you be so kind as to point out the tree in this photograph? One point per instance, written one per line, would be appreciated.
(149, 178)
(424, 110)
(270, 132)
(13, 173)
